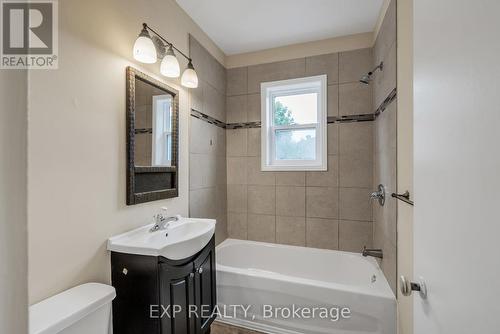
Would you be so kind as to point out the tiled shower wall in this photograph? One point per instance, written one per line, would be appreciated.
(385, 160)
(316, 209)
(207, 147)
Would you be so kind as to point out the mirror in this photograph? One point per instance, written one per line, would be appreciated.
(152, 139)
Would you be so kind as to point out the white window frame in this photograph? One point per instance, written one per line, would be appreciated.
(270, 90)
(161, 132)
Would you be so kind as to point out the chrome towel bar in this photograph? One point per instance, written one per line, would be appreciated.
(405, 197)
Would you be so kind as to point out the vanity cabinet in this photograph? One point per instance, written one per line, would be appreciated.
(155, 295)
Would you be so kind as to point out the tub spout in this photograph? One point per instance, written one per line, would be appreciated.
(373, 252)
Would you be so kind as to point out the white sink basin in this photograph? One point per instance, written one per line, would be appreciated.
(180, 240)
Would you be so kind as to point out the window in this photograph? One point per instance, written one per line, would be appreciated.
(294, 124)
(162, 130)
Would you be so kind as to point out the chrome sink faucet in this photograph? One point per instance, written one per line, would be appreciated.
(162, 222)
(373, 252)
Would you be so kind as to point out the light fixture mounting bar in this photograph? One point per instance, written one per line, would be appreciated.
(145, 25)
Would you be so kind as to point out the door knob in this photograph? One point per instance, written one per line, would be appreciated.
(407, 287)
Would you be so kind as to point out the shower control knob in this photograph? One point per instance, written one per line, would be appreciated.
(191, 275)
(200, 270)
(407, 287)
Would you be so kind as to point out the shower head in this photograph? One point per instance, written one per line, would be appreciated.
(365, 79)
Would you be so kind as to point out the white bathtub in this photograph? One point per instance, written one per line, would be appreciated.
(256, 274)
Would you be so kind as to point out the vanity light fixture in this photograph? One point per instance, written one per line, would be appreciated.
(146, 52)
(189, 78)
(170, 65)
(144, 48)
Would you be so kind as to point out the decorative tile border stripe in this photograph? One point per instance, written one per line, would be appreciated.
(246, 125)
(331, 119)
(351, 118)
(388, 100)
(208, 119)
(143, 131)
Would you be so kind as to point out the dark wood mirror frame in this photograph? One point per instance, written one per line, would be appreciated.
(150, 174)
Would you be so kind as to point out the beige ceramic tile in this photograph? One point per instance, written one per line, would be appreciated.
(253, 107)
(256, 176)
(355, 99)
(253, 149)
(202, 136)
(196, 95)
(333, 100)
(333, 139)
(221, 229)
(207, 177)
(214, 103)
(354, 64)
(385, 81)
(322, 233)
(329, 178)
(354, 235)
(291, 201)
(236, 83)
(324, 64)
(322, 202)
(221, 199)
(291, 178)
(356, 139)
(237, 225)
(220, 142)
(221, 170)
(237, 198)
(291, 230)
(355, 171)
(287, 69)
(236, 109)
(355, 204)
(262, 200)
(236, 142)
(262, 228)
(202, 203)
(236, 170)
(387, 34)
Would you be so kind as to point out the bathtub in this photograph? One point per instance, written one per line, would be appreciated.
(261, 285)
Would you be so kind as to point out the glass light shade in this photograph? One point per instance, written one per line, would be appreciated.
(189, 77)
(144, 49)
(170, 66)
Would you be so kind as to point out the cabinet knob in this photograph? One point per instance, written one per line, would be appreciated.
(200, 270)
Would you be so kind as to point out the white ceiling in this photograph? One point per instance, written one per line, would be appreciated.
(239, 26)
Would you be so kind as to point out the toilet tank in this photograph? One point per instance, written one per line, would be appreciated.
(83, 309)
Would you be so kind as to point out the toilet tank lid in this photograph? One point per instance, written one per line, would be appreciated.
(62, 310)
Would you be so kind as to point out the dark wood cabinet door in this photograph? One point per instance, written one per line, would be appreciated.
(205, 289)
(176, 295)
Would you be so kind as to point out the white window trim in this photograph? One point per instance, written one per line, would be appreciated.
(165, 134)
(268, 91)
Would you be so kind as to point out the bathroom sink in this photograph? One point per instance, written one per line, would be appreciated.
(182, 239)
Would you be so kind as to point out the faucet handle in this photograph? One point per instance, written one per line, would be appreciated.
(164, 209)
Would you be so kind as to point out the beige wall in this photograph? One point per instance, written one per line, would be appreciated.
(315, 48)
(315, 209)
(77, 158)
(405, 156)
(13, 196)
